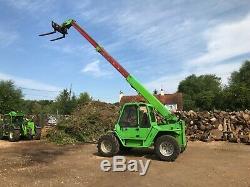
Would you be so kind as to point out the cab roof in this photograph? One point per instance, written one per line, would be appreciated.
(139, 103)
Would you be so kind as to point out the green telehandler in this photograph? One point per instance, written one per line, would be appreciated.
(140, 125)
(15, 126)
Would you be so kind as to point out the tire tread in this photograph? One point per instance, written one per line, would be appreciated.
(115, 145)
(173, 141)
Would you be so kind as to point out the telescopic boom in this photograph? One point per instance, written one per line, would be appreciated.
(130, 79)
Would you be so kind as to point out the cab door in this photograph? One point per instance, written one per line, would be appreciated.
(128, 122)
(144, 122)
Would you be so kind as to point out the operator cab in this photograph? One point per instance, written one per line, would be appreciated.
(135, 122)
(136, 115)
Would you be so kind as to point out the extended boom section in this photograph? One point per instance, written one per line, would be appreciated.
(130, 79)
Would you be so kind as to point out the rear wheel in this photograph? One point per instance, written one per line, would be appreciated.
(108, 145)
(29, 135)
(14, 135)
(167, 148)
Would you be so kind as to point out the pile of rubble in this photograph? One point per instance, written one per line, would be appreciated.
(217, 125)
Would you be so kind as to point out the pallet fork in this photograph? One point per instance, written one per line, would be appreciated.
(63, 29)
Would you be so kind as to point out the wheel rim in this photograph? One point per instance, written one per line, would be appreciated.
(106, 146)
(166, 149)
(11, 135)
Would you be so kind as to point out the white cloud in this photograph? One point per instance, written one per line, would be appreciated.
(72, 49)
(31, 5)
(225, 41)
(29, 83)
(221, 70)
(171, 82)
(33, 89)
(94, 69)
(144, 25)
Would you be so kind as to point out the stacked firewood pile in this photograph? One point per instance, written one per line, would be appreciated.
(217, 125)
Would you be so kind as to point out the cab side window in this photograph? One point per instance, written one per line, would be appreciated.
(129, 116)
(152, 114)
(143, 117)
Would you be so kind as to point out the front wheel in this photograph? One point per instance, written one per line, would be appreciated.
(167, 148)
(108, 145)
(14, 135)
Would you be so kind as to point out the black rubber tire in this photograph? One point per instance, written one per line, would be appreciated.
(37, 134)
(115, 145)
(170, 140)
(29, 136)
(15, 136)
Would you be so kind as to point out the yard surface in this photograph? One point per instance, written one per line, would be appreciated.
(37, 163)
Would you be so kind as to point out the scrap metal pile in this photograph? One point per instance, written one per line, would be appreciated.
(217, 125)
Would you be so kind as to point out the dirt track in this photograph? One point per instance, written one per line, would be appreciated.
(36, 163)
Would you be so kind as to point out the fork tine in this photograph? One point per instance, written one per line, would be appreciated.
(58, 38)
(47, 33)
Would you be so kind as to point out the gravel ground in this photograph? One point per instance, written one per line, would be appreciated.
(37, 163)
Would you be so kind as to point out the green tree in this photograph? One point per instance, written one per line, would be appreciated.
(200, 92)
(65, 103)
(236, 96)
(242, 76)
(10, 97)
(83, 98)
(37, 107)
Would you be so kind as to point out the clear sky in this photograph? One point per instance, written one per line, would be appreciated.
(160, 42)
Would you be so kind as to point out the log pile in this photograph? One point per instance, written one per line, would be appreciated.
(217, 125)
